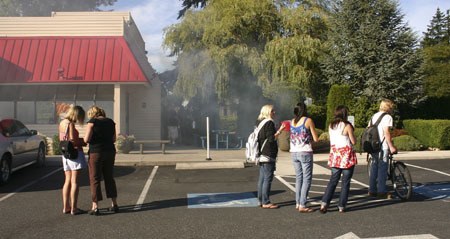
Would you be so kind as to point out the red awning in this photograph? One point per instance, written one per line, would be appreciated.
(68, 59)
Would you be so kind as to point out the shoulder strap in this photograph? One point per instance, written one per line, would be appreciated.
(67, 132)
(261, 124)
(379, 119)
(306, 118)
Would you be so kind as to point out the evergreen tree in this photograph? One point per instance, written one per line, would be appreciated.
(438, 30)
(373, 51)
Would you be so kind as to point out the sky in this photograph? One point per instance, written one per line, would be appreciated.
(152, 16)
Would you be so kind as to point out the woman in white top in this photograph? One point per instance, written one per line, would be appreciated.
(342, 158)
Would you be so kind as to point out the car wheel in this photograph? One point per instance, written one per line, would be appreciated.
(5, 170)
(40, 161)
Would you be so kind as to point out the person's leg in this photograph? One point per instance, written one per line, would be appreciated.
(298, 177)
(66, 191)
(269, 169)
(346, 179)
(373, 174)
(108, 159)
(382, 172)
(331, 187)
(95, 179)
(307, 167)
(260, 184)
(74, 189)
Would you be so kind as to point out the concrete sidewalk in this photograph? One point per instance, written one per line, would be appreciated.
(195, 158)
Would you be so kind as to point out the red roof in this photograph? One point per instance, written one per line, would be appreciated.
(68, 59)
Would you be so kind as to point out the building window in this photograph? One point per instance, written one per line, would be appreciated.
(26, 112)
(6, 110)
(45, 112)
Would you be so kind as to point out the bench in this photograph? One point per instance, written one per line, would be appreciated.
(155, 141)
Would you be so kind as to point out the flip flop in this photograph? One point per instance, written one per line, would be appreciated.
(270, 206)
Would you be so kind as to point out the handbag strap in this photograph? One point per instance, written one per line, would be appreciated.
(67, 132)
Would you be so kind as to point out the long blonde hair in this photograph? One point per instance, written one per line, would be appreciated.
(76, 114)
(266, 110)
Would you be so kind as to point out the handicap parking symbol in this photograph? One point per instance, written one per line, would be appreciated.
(434, 191)
(219, 200)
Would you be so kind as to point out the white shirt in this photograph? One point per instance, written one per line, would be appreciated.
(386, 122)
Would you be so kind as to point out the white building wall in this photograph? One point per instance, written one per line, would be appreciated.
(145, 110)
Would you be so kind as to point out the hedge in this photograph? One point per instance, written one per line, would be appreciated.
(407, 143)
(432, 133)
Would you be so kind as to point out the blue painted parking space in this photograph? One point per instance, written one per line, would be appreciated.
(222, 200)
(440, 190)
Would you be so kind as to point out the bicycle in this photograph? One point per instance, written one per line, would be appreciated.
(399, 175)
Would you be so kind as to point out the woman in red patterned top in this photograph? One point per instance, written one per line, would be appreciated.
(342, 158)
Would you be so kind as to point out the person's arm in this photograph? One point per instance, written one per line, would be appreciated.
(388, 138)
(312, 128)
(279, 130)
(348, 130)
(88, 134)
(270, 131)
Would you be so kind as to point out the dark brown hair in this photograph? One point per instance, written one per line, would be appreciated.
(340, 115)
(299, 111)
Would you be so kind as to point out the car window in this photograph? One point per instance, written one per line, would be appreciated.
(21, 129)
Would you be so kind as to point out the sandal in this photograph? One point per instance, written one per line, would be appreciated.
(270, 206)
(77, 212)
(305, 209)
(323, 210)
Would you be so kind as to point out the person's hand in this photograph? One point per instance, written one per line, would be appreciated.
(393, 149)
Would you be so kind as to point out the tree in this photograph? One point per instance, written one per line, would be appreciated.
(374, 52)
(188, 4)
(438, 30)
(436, 67)
(45, 7)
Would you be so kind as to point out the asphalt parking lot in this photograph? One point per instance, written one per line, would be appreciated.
(162, 202)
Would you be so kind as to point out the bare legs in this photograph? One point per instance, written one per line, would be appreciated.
(70, 192)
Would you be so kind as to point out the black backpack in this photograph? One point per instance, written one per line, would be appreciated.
(370, 139)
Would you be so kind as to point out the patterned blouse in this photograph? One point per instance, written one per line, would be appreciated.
(342, 154)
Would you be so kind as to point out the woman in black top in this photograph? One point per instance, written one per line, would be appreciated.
(101, 135)
(269, 152)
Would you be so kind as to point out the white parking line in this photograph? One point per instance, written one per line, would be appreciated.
(28, 185)
(144, 192)
(428, 169)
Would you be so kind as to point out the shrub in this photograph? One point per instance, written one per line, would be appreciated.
(432, 133)
(338, 95)
(124, 143)
(55, 145)
(407, 143)
(318, 114)
(324, 137)
(319, 132)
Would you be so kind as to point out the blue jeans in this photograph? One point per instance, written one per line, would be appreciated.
(345, 186)
(303, 165)
(266, 171)
(378, 172)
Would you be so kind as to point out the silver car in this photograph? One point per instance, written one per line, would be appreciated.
(19, 148)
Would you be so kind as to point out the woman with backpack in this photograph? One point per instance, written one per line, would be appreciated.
(342, 159)
(269, 150)
(303, 132)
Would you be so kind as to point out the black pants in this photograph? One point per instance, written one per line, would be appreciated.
(101, 165)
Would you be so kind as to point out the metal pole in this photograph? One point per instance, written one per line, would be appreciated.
(208, 156)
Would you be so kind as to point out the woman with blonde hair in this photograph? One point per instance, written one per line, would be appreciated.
(269, 150)
(72, 167)
(101, 135)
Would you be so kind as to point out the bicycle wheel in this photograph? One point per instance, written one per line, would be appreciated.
(401, 180)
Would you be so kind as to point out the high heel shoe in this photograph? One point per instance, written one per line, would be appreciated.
(94, 212)
(114, 209)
